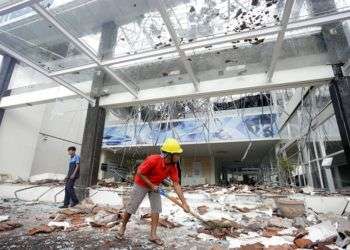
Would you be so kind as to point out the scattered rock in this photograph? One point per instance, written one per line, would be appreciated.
(321, 232)
(271, 231)
(7, 226)
(202, 210)
(280, 222)
(256, 246)
(303, 243)
(164, 222)
(40, 229)
(4, 218)
(60, 225)
(242, 209)
(58, 217)
(290, 208)
(46, 178)
(71, 211)
(280, 247)
(299, 222)
(216, 247)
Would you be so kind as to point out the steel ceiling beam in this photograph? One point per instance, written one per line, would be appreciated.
(188, 48)
(16, 6)
(164, 14)
(36, 67)
(280, 38)
(130, 87)
(292, 78)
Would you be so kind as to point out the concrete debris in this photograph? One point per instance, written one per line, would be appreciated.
(17, 180)
(290, 208)
(61, 225)
(280, 222)
(255, 246)
(4, 177)
(110, 182)
(271, 231)
(9, 225)
(202, 209)
(228, 228)
(71, 211)
(280, 247)
(4, 218)
(164, 222)
(102, 218)
(299, 222)
(343, 238)
(303, 243)
(245, 213)
(321, 232)
(46, 178)
(308, 190)
(40, 229)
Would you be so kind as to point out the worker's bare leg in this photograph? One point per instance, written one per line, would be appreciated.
(126, 218)
(154, 224)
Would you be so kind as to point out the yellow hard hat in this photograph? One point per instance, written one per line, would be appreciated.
(171, 146)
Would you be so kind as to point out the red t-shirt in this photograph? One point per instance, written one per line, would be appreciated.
(155, 169)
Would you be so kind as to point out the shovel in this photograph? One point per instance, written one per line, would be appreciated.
(211, 224)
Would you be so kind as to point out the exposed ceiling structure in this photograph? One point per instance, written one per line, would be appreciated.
(185, 44)
(232, 151)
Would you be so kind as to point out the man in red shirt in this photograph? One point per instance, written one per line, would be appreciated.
(149, 176)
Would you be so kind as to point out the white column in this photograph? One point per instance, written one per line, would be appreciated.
(328, 170)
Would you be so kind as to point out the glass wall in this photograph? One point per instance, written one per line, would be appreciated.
(314, 130)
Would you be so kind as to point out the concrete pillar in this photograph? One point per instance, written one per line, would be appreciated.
(318, 163)
(340, 94)
(6, 70)
(337, 177)
(95, 118)
(212, 171)
(91, 148)
(328, 170)
(306, 163)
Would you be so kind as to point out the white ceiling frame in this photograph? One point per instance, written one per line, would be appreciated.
(36, 67)
(16, 6)
(164, 14)
(188, 48)
(280, 38)
(130, 87)
(291, 78)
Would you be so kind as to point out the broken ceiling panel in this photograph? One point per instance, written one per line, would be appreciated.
(197, 19)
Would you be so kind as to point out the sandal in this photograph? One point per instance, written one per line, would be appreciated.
(157, 241)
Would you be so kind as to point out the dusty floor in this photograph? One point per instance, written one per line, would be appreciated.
(250, 214)
(31, 214)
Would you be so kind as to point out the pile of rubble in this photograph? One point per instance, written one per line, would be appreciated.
(245, 217)
(83, 215)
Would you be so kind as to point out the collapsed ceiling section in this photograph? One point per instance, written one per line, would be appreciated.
(143, 44)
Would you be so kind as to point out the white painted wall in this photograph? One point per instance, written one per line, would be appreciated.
(24, 149)
(19, 133)
(64, 120)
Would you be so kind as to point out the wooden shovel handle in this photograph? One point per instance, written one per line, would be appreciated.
(173, 199)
